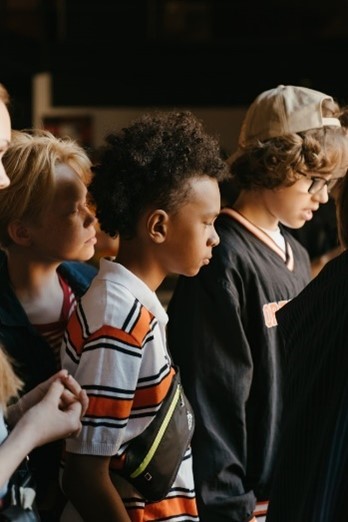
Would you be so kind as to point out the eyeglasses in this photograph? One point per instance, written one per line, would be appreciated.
(317, 184)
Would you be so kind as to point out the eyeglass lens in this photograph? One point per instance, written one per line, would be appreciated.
(319, 183)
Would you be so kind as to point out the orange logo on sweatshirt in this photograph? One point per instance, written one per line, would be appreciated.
(269, 311)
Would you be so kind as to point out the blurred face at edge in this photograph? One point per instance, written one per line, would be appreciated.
(5, 137)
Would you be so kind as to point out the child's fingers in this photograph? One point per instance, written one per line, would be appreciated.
(74, 410)
(68, 398)
(55, 391)
(84, 402)
(72, 385)
(61, 375)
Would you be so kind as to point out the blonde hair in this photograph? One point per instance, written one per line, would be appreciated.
(30, 164)
(10, 384)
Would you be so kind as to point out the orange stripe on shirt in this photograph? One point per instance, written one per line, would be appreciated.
(142, 325)
(261, 508)
(138, 333)
(153, 395)
(167, 508)
(77, 339)
(114, 333)
(107, 406)
(75, 333)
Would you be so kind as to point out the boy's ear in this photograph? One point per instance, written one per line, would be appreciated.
(157, 223)
(19, 233)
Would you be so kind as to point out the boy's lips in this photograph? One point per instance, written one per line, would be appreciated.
(308, 213)
(92, 240)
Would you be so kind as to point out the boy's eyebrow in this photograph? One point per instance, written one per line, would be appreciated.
(212, 214)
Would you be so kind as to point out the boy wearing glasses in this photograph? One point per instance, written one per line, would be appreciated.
(292, 149)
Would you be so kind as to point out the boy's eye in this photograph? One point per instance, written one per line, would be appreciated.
(210, 223)
(83, 207)
(75, 210)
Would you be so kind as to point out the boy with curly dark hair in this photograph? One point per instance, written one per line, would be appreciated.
(156, 187)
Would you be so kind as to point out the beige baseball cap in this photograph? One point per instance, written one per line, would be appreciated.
(284, 110)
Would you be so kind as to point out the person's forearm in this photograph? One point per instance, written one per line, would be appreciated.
(14, 413)
(20, 441)
(100, 501)
(87, 483)
(102, 507)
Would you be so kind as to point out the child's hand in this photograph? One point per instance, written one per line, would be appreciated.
(72, 392)
(57, 415)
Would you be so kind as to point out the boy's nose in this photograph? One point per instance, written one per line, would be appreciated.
(322, 195)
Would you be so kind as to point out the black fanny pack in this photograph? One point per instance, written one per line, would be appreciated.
(154, 457)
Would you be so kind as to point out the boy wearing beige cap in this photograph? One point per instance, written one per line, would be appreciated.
(222, 328)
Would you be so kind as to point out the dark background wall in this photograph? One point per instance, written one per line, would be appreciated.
(170, 52)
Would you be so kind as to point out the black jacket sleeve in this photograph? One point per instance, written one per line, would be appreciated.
(207, 339)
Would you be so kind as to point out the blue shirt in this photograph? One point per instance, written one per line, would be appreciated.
(3, 435)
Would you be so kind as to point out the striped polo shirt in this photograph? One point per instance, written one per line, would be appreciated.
(115, 346)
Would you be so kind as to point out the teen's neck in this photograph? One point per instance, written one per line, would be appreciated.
(254, 208)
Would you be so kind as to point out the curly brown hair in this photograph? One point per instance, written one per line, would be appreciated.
(148, 165)
(278, 161)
